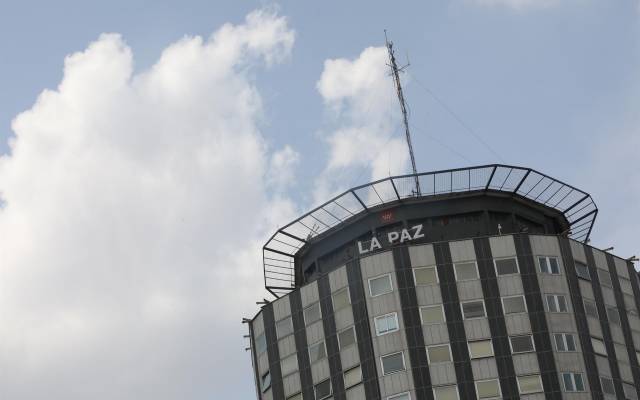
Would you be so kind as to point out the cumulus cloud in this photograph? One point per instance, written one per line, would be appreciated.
(133, 210)
(358, 95)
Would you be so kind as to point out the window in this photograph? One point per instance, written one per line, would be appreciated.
(604, 277)
(265, 381)
(629, 391)
(590, 309)
(488, 389)
(289, 365)
(432, 315)
(607, 385)
(521, 344)
(439, 353)
(529, 384)
(323, 389)
(312, 314)
(386, 324)
(565, 341)
(352, 377)
(506, 266)
(556, 303)
(297, 396)
(380, 285)
(425, 276)
(392, 363)
(473, 309)
(480, 349)
(341, 299)
(401, 396)
(572, 382)
(284, 327)
(514, 305)
(549, 265)
(261, 343)
(613, 315)
(445, 393)
(582, 271)
(598, 346)
(317, 352)
(465, 271)
(347, 337)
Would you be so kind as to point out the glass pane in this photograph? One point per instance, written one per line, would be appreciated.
(432, 315)
(323, 389)
(605, 277)
(439, 354)
(559, 342)
(562, 303)
(582, 270)
(598, 346)
(579, 383)
(289, 365)
(473, 309)
(312, 314)
(380, 285)
(284, 327)
(466, 271)
(506, 266)
(613, 316)
(266, 381)
(513, 305)
(347, 337)
(261, 343)
(571, 342)
(488, 389)
(317, 352)
(341, 299)
(445, 393)
(392, 363)
(542, 261)
(530, 384)
(352, 377)
(480, 349)
(521, 344)
(568, 382)
(590, 309)
(387, 323)
(553, 265)
(425, 276)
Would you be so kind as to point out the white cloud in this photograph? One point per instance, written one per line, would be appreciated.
(282, 168)
(520, 4)
(359, 95)
(134, 210)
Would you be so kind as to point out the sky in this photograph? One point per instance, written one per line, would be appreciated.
(148, 151)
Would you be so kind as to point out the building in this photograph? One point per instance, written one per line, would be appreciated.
(479, 285)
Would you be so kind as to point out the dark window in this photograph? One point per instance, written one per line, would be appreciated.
(506, 266)
(522, 344)
(265, 382)
(582, 270)
(323, 389)
(473, 309)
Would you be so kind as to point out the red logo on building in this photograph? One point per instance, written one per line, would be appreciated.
(386, 216)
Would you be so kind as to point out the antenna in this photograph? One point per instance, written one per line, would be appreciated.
(395, 71)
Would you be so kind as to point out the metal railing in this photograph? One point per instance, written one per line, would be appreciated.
(278, 253)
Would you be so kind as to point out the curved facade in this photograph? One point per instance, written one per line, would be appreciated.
(390, 305)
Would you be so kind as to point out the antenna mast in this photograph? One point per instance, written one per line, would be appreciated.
(395, 71)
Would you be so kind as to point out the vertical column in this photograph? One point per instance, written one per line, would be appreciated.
(254, 357)
(300, 336)
(272, 352)
(412, 324)
(453, 313)
(539, 328)
(331, 338)
(363, 331)
(604, 322)
(581, 319)
(497, 324)
(624, 322)
(635, 285)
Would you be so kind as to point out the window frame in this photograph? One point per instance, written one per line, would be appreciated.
(475, 384)
(415, 280)
(495, 266)
(304, 313)
(375, 323)
(404, 363)
(595, 307)
(315, 389)
(556, 302)
(455, 272)
(576, 263)
(444, 317)
(264, 388)
(355, 337)
(484, 308)
(296, 369)
(565, 342)
(324, 344)
(548, 264)
(600, 342)
(398, 395)
(471, 357)
(601, 377)
(526, 376)
(524, 301)
(573, 381)
(448, 345)
(609, 283)
(608, 309)
(333, 303)
(387, 275)
(290, 318)
(256, 341)
(533, 343)
(344, 373)
(433, 390)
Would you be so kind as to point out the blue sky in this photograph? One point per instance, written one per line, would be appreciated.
(139, 200)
